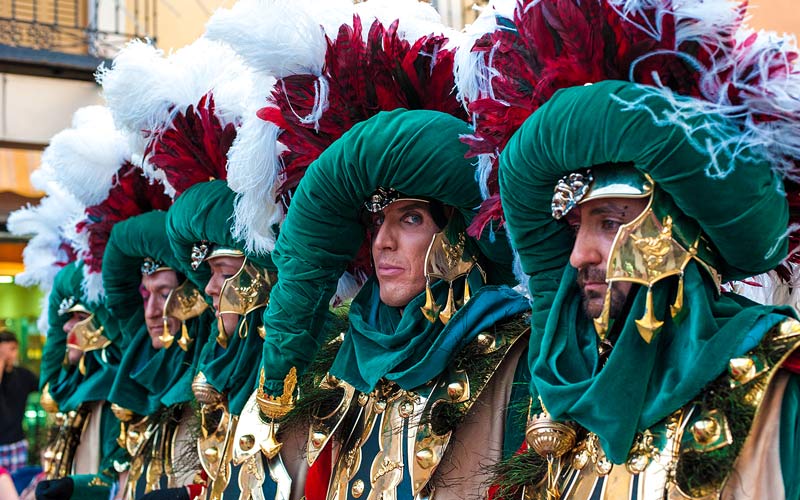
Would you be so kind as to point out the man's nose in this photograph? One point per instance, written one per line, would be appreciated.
(384, 238)
(586, 252)
(151, 309)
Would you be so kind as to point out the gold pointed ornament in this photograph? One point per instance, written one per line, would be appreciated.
(645, 252)
(243, 293)
(275, 408)
(86, 336)
(447, 260)
(183, 303)
(550, 439)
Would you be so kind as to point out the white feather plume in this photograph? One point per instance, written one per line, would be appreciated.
(253, 167)
(145, 90)
(84, 158)
(92, 286)
(45, 223)
(280, 37)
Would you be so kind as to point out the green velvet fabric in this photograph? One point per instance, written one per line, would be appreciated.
(68, 386)
(234, 370)
(790, 438)
(414, 152)
(65, 284)
(745, 219)
(146, 376)
(203, 212)
(407, 348)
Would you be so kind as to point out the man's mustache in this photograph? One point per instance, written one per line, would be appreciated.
(591, 275)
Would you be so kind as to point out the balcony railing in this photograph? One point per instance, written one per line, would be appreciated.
(70, 33)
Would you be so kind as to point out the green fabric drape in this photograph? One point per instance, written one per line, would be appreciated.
(790, 438)
(68, 386)
(322, 231)
(746, 221)
(146, 376)
(641, 383)
(408, 349)
(66, 282)
(203, 212)
(234, 370)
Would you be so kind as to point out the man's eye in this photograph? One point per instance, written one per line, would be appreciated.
(575, 228)
(412, 218)
(377, 219)
(611, 225)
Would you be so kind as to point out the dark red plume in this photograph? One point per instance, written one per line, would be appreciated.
(131, 194)
(194, 147)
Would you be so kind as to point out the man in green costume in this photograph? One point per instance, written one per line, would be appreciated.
(78, 366)
(160, 314)
(237, 284)
(422, 379)
(647, 381)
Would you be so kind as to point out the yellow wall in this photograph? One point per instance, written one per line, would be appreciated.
(782, 16)
(180, 22)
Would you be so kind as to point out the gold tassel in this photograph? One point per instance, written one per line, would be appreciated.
(450, 308)
(431, 309)
(185, 341)
(222, 337)
(677, 306)
(243, 326)
(166, 337)
(82, 365)
(648, 325)
(467, 295)
(601, 322)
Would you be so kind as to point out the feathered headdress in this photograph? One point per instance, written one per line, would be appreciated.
(342, 75)
(48, 224)
(184, 123)
(92, 162)
(691, 48)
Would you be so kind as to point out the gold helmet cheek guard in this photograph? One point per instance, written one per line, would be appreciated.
(645, 252)
(447, 260)
(89, 337)
(183, 303)
(241, 294)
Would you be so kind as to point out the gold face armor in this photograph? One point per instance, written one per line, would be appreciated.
(644, 251)
(183, 303)
(447, 260)
(86, 337)
(242, 294)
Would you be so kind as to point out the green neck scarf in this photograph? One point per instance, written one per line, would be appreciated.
(233, 370)
(640, 383)
(72, 388)
(408, 349)
(151, 378)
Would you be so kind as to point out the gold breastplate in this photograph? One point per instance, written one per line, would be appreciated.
(413, 427)
(689, 455)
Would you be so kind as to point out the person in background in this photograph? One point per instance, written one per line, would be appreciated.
(16, 383)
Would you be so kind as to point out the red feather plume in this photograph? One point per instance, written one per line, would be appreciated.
(131, 194)
(194, 147)
(383, 73)
(554, 44)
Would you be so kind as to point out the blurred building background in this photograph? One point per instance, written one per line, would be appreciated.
(49, 50)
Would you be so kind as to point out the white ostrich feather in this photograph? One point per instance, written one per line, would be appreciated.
(92, 286)
(46, 224)
(253, 166)
(83, 159)
(145, 90)
(280, 37)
